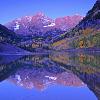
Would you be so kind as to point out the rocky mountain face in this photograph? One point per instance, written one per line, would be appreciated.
(40, 24)
(67, 22)
(38, 31)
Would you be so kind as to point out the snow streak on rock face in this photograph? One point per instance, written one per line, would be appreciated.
(40, 23)
(17, 26)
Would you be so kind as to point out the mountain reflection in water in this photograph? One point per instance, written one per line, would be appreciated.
(43, 70)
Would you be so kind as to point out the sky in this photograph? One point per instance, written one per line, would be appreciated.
(12, 9)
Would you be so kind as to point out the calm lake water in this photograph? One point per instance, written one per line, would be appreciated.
(53, 76)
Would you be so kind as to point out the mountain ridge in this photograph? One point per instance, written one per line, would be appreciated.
(84, 35)
(40, 23)
(40, 32)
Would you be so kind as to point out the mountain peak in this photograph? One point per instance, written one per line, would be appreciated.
(40, 23)
(40, 14)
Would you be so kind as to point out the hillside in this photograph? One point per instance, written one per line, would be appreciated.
(85, 35)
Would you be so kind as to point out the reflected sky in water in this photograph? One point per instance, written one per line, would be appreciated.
(54, 76)
(9, 91)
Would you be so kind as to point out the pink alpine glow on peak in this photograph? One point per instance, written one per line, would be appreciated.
(40, 23)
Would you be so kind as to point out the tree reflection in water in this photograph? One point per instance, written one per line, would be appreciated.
(43, 70)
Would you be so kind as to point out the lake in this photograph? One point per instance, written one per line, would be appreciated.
(50, 76)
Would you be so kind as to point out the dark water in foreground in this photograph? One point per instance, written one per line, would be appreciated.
(54, 76)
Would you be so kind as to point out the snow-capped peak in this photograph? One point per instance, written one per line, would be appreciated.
(39, 23)
(17, 26)
(50, 25)
(51, 77)
(29, 18)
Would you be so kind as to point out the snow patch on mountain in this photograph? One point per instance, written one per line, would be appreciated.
(51, 77)
(50, 25)
(17, 26)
